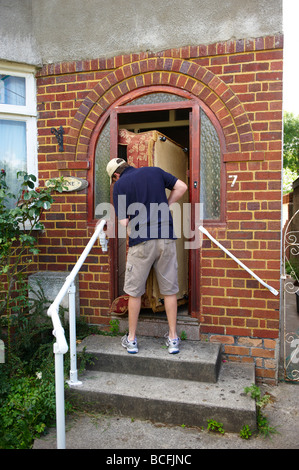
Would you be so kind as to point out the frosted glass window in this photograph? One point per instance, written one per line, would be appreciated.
(155, 98)
(209, 169)
(12, 90)
(102, 157)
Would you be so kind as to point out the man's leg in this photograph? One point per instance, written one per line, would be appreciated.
(134, 309)
(170, 302)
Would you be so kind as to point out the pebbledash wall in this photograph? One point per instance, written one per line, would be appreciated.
(241, 82)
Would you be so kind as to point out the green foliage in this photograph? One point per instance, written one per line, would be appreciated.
(291, 142)
(26, 409)
(245, 432)
(256, 394)
(288, 177)
(27, 379)
(292, 267)
(215, 426)
(261, 401)
(85, 358)
(18, 226)
(290, 151)
(32, 338)
(114, 327)
(27, 390)
(263, 426)
(183, 335)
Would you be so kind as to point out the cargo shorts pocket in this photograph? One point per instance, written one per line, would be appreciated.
(129, 281)
(134, 280)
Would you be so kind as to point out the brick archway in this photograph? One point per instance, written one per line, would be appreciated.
(163, 71)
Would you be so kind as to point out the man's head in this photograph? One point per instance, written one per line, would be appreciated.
(115, 166)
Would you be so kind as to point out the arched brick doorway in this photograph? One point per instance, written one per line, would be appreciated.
(201, 90)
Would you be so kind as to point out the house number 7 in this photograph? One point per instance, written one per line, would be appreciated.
(234, 177)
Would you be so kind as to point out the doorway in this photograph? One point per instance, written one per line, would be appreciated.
(147, 139)
(164, 131)
(192, 127)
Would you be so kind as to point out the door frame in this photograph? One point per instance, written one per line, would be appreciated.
(194, 104)
(194, 180)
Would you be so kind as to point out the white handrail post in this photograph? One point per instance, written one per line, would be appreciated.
(61, 347)
(59, 389)
(72, 326)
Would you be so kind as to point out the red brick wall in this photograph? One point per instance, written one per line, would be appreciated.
(241, 82)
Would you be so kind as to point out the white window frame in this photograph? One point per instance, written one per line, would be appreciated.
(27, 113)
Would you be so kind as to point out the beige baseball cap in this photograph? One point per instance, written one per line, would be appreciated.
(113, 165)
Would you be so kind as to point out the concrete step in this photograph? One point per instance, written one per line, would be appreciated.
(170, 400)
(150, 324)
(197, 361)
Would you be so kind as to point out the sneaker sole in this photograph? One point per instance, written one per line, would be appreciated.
(130, 351)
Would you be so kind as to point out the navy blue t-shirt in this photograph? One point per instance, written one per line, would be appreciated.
(139, 195)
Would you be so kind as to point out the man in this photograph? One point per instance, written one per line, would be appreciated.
(141, 204)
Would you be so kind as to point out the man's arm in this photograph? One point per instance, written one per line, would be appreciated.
(177, 192)
(119, 200)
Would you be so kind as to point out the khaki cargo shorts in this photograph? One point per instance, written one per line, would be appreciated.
(160, 253)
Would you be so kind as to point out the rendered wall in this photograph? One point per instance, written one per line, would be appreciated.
(45, 31)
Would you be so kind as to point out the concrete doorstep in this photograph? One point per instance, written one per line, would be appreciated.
(186, 388)
(139, 402)
(117, 435)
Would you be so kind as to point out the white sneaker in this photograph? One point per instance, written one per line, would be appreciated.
(172, 344)
(130, 346)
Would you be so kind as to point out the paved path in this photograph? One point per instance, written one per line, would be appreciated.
(98, 431)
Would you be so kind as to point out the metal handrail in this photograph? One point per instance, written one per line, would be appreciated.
(60, 346)
(271, 289)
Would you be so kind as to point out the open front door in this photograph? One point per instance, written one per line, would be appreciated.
(165, 135)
